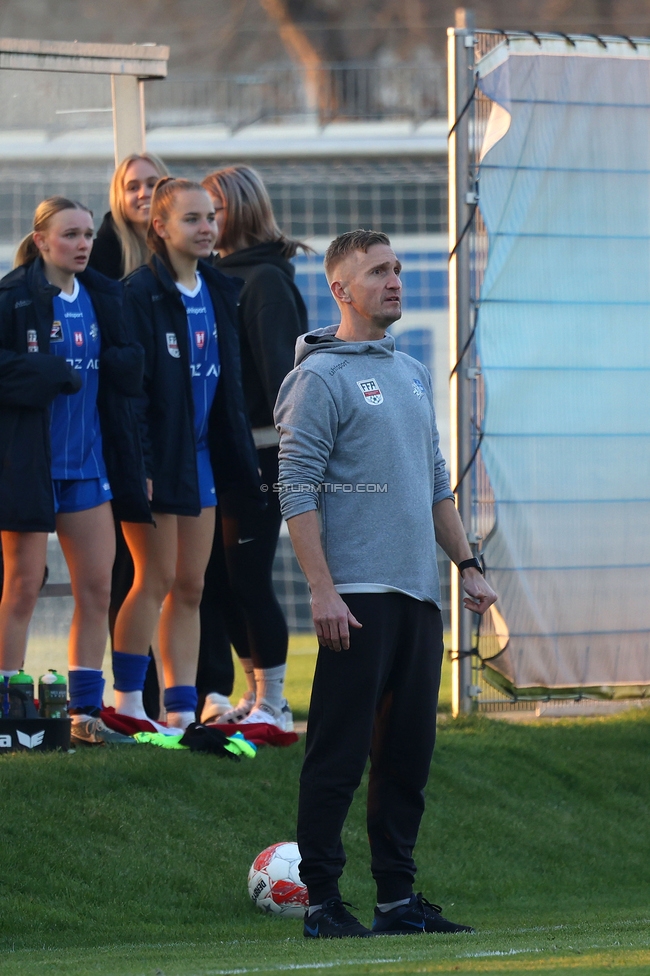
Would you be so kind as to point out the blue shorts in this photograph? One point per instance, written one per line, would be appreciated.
(207, 491)
(78, 496)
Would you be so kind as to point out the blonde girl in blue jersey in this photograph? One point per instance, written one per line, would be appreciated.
(197, 442)
(64, 360)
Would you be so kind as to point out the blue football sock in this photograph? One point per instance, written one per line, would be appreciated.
(182, 698)
(86, 689)
(129, 671)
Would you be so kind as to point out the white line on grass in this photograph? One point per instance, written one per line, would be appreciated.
(556, 949)
(577, 927)
(293, 966)
(496, 952)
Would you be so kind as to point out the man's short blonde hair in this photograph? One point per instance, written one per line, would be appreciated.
(344, 244)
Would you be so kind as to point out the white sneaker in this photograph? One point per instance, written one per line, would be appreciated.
(237, 714)
(265, 714)
(215, 706)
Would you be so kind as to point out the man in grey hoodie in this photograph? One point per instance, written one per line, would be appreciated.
(365, 493)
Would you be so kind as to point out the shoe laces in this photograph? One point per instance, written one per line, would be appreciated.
(338, 913)
(422, 901)
(235, 715)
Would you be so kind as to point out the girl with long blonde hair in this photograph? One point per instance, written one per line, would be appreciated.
(120, 248)
(121, 244)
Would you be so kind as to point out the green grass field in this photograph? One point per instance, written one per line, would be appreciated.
(133, 862)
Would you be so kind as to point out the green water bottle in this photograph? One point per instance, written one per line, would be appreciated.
(52, 695)
(19, 703)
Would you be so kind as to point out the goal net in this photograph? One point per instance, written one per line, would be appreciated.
(561, 278)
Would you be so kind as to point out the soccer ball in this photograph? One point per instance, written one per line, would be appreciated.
(274, 883)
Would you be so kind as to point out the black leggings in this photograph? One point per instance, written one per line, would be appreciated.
(376, 699)
(239, 604)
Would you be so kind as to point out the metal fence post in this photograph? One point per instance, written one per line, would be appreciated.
(460, 63)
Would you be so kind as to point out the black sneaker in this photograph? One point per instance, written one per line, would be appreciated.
(334, 921)
(418, 916)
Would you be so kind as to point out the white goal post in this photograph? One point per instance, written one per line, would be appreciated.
(128, 65)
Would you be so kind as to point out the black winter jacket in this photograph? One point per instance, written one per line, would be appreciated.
(29, 381)
(154, 308)
(106, 255)
(272, 315)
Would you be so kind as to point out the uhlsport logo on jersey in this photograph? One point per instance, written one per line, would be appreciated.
(172, 345)
(94, 331)
(200, 339)
(30, 741)
(56, 332)
(371, 392)
(78, 338)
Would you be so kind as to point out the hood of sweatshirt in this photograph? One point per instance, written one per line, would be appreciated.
(269, 252)
(324, 340)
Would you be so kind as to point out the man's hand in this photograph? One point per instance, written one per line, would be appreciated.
(480, 594)
(332, 619)
(451, 536)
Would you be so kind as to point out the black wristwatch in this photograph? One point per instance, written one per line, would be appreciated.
(473, 562)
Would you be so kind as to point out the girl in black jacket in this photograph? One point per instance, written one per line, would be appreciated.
(197, 437)
(238, 584)
(120, 247)
(69, 442)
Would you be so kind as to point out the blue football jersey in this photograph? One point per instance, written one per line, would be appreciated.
(74, 420)
(204, 354)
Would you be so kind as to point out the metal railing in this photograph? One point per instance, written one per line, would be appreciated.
(355, 91)
(348, 91)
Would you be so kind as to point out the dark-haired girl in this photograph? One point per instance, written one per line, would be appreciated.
(197, 441)
(69, 443)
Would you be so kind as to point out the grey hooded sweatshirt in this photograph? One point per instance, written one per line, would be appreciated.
(359, 442)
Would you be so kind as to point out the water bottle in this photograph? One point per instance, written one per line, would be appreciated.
(19, 703)
(52, 695)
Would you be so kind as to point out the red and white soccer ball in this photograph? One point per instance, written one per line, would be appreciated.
(274, 883)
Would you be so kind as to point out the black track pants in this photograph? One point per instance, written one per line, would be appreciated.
(239, 604)
(378, 698)
(220, 623)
